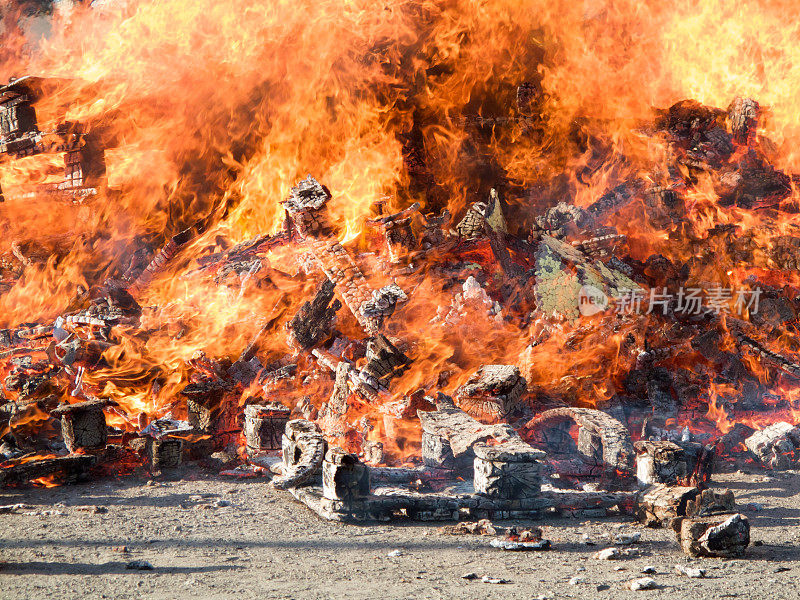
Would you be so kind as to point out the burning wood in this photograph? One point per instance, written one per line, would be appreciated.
(165, 452)
(20, 136)
(743, 116)
(264, 426)
(673, 463)
(601, 276)
(312, 323)
(660, 462)
(602, 439)
(69, 469)
(449, 435)
(562, 270)
(398, 233)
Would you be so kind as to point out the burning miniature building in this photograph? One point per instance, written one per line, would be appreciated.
(17, 116)
(21, 135)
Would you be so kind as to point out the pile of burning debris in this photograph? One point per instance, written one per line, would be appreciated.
(621, 383)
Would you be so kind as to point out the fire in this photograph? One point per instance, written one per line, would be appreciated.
(47, 482)
(209, 114)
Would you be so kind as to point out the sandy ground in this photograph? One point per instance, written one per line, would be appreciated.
(262, 544)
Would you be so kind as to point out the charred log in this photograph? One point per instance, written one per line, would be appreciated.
(313, 322)
(743, 117)
(448, 435)
(69, 469)
(264, 426)
(83, 425)
(344, 477)
(776, 446)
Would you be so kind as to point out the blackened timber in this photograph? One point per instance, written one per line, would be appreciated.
(303, 452)
(600, 437)
(313, 322)
(615, 198)
(71, 467)
(384, 360)
(165, 255)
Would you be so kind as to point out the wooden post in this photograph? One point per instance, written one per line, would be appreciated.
(344, 477)
(83, 425)
(264, 426)
(510, 471)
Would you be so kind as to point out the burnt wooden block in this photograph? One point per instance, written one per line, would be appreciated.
(752, 184)
(201, 417)
(699, 463)
(204, 411)
(509, 471)
(400, 240)
(556, 438)
(660, 462)
(84, 165)
(398, 232)
(382, 305)
(83, 425)
(658, 505)
(204, 399)
(437, 452)
(384, 360)
(165, 452)
(590, 444)
(493, 391)
(743, 117)
(471, 226)
(264, 426)
(709, 502)
(373, 452)
(305, 207)
(449, 434)
(725, 536)
(602, 438)
(303, 452)
(314, 321)
(344, 477)
(17, 117)
(68, 469)
(776, 446)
